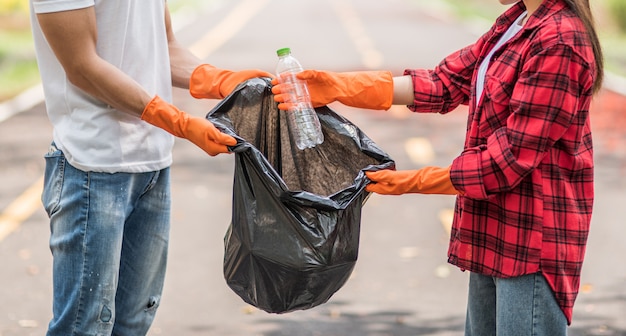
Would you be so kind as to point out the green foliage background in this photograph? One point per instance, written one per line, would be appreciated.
(9, 6)
(18, 67)
(618, 9)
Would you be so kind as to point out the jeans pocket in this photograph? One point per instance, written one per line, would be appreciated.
(53, 179)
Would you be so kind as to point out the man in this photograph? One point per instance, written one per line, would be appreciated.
(108, 68)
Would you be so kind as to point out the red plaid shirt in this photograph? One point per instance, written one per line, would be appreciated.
(526, 170)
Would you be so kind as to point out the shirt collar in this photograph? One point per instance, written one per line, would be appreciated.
(545, 10)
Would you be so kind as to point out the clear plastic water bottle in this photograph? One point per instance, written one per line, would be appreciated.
(303, 122)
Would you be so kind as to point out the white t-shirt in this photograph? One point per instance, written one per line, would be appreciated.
(482, 70)
(92, 135)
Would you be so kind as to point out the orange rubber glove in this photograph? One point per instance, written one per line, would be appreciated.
(197, 130)
(208, 81)
(364, 89)
(428, 180)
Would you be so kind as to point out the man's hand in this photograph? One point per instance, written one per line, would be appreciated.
(364, 89)
(208, 81)
(197, 130)
(428, 180)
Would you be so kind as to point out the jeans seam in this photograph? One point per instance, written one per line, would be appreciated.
(534, 312)
(57, 187)
(84, 248)
(150, 185)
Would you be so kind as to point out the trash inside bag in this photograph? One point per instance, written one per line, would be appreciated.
(294, 236)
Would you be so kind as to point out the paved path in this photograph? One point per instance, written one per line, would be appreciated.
(402, 284)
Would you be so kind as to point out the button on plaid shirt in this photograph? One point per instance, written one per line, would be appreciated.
(526, 171)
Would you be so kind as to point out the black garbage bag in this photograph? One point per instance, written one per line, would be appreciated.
(294, 236)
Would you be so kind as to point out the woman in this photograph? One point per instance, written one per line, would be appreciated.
(525, 177)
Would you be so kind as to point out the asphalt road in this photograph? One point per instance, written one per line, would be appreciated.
(402, 284)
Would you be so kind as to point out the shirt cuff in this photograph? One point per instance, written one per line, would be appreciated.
(466, 174)
(52, 6)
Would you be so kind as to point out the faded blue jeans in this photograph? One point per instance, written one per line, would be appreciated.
(520, 306)
(109, 240)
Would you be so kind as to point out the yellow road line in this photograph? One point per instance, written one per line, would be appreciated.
(227, 28)
(20, 209)
(370, 56)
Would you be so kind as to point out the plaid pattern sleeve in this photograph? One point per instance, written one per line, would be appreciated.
(447, 86)
(526, 171)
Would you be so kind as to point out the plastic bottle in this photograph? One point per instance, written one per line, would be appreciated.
(304, 124)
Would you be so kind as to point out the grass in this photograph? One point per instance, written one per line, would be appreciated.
(18, 67)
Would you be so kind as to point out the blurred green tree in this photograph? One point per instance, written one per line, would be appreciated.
(13, 6)
(618, 10)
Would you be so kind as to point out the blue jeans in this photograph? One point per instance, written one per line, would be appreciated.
(523, 306)
(109, 240)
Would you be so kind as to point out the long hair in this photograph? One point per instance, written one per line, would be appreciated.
(583, 10)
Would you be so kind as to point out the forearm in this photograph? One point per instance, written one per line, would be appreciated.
(403, 93)
(182, 61)
(107, 83)
(72, 35)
